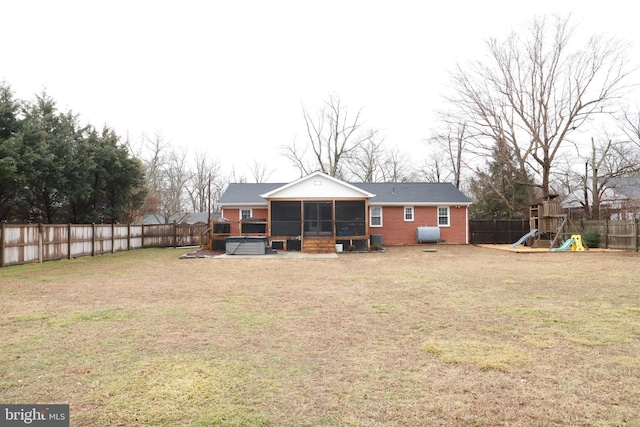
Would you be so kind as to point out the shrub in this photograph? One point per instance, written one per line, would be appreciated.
(375, 247)
(591, 238)
(351, 248)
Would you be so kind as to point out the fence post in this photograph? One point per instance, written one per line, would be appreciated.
(2, 237)
(129, 237)
(606, 233)
(113, 238)
(69, 241)
(175, 234)
(635, 234)
(40, 256)
(142, 238)
(494, 231)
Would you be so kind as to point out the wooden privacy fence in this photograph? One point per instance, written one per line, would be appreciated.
(614, 234)
(27, 243)
(497, 231)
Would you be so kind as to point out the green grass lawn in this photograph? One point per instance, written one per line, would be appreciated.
(461, 336)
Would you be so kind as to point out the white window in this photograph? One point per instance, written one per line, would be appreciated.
(375, 217)
(245, 213)
(443, 216)
(408, 213)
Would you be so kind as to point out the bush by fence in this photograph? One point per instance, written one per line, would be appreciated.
(27, 243)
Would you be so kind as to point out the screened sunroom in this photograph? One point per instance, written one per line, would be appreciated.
(292, 222)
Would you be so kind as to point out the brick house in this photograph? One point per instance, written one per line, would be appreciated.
(316, 212)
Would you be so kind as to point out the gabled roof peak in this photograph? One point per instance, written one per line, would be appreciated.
(317, 184)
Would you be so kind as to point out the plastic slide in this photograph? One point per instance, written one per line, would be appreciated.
(566, 245)
(524, 238)
(575, 243)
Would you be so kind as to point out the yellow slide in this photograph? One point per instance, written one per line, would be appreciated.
(577, 243)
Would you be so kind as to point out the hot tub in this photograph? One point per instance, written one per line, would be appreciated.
(246, 245)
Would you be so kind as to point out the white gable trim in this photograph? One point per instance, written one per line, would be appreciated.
(315, 185)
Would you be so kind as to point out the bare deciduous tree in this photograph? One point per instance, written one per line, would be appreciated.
(260, 171)
(397, 166)
(533, 92)
(450, 143)
(153, 152)
(609, 160)
(176, 183)
(199, 187)
(436, 167)
(375, 161)
(364, 161)
(332, 134)
(176, 175)
(630, 124)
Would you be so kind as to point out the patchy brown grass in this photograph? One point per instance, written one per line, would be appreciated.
(463, 336)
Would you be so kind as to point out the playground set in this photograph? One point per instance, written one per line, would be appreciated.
(546, 224)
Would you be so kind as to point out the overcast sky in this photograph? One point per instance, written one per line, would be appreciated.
(231, 77)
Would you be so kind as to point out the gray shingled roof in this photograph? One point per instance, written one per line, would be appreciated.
(246, 193)
(628, 187)
(396, 193)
